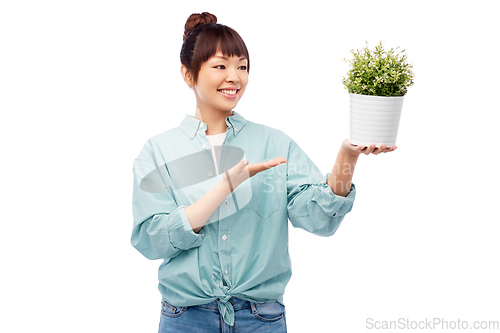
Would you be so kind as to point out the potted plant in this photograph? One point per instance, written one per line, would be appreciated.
(377, 83)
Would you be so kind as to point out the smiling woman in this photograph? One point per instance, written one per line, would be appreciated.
(213, 196)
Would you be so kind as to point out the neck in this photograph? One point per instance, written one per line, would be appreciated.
(216, 121)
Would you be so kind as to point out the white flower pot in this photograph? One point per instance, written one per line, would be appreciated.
(374, 119)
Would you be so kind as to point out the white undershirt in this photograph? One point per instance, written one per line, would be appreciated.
(216, 140)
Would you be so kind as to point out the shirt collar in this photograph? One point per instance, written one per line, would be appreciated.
(190, 125)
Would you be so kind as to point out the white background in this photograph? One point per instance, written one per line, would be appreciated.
(84, 84)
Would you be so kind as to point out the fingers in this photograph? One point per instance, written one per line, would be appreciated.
(372, 149)
(392, 148)
(258, 167)
(274, 162)
(243, 170)
(379, 150)
(368, 150)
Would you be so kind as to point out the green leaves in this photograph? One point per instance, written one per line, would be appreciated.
(378, 72)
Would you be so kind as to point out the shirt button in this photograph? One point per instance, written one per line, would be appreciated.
(235, 129)
(201, 125)
(210, 174)
(192, 133)
(203, 146)
(224, 237)
(226, 272)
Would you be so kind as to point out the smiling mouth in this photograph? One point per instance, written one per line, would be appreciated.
(228, 91)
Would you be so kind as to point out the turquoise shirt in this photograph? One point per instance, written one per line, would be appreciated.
(242, 250)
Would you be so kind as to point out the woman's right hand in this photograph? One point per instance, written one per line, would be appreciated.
(242, 171)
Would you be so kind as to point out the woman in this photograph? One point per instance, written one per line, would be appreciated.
(212, 197)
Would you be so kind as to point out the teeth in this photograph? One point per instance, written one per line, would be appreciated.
(229, 92)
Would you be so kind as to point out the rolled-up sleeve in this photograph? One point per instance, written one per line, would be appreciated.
(312, 205)
(161, 229)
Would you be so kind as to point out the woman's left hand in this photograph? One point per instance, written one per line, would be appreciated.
(353, 150)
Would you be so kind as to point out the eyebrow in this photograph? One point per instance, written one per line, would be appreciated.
(226, 58)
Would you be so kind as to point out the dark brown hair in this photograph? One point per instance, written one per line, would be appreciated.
(203, 37)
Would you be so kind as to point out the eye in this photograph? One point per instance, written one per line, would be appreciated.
(223, 67)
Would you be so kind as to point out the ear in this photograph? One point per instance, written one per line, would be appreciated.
(186, 75)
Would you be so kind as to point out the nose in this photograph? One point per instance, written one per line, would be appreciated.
(232, 76)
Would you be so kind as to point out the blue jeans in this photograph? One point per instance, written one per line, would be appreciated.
(249, 317)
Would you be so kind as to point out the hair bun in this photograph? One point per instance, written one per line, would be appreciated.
(195, 20)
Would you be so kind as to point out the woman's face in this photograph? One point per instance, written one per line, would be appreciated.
(221, 82)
